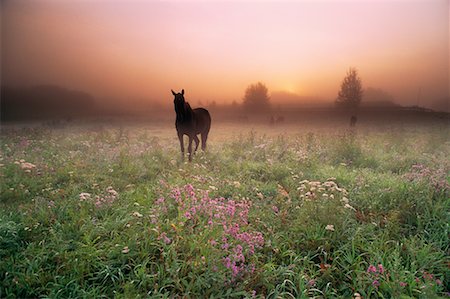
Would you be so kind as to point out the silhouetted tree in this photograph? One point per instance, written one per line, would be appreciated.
(350, 95)
(256, 98)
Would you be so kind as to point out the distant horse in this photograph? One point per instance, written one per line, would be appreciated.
(190, 122)
(280, 119)
(353, 120)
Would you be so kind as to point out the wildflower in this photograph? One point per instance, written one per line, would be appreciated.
(84, 196)
(372, 269)
(27, 166)
(282, 191)
(427, 275)
(227, 262)
(275, 209)
(125, 249)
(330, 227)
(164, 237)
(112, 192)
(347, 206)
(376, 284)
(403, 284)
(438, 282)
(312, 282)
(380, 268)
(137, 214)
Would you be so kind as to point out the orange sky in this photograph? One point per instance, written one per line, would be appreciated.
(142, 49)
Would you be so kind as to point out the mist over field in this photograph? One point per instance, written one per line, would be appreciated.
(224, 149)
(132, 53)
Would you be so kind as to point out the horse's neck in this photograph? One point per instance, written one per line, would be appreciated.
(185, 113)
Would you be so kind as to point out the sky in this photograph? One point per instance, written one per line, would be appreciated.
(215, 49)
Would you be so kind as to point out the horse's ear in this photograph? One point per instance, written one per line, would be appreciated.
(173, 92)
(182, 91)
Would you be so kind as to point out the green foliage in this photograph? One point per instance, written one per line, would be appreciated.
(93, 213)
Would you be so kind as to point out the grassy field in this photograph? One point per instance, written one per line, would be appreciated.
(267, 212)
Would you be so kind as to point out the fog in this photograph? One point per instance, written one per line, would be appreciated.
(137, 51)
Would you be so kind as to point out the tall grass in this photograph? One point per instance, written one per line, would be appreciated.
(116, 213)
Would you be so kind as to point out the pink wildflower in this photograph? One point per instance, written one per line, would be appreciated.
(403, 284)
(376, 283)
(227, 262)
(275, 209)
(380, 268)
(164, 237)
(372, 269)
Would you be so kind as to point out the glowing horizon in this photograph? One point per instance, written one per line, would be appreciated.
(214, 50)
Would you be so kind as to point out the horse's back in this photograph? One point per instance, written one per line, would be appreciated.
(203, 119)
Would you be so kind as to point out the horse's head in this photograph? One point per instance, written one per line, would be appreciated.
(179, 103)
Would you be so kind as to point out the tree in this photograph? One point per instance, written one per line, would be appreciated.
(351, 91)
(256, 98)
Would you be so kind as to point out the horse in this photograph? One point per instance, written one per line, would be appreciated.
(353, 120)
(190, 122)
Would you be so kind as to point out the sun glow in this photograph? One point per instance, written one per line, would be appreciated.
(291, 88)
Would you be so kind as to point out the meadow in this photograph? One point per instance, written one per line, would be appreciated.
(290, 211)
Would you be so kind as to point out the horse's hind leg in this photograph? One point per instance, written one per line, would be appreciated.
(204, 137)
(197, 141)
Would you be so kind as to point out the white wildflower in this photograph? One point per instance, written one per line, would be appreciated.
(330, 227)
(137, 214)
(84, 196)
(347, 206)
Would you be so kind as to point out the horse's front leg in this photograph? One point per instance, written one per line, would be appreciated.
(180, 137)
(190, 148)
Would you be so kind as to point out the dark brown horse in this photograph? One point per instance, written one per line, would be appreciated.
(190, 122)
(353, 120)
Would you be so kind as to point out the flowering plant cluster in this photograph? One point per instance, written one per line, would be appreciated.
(328, 190)
(225, 221)
(436, 178)
(105, 199)
(377, 274)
